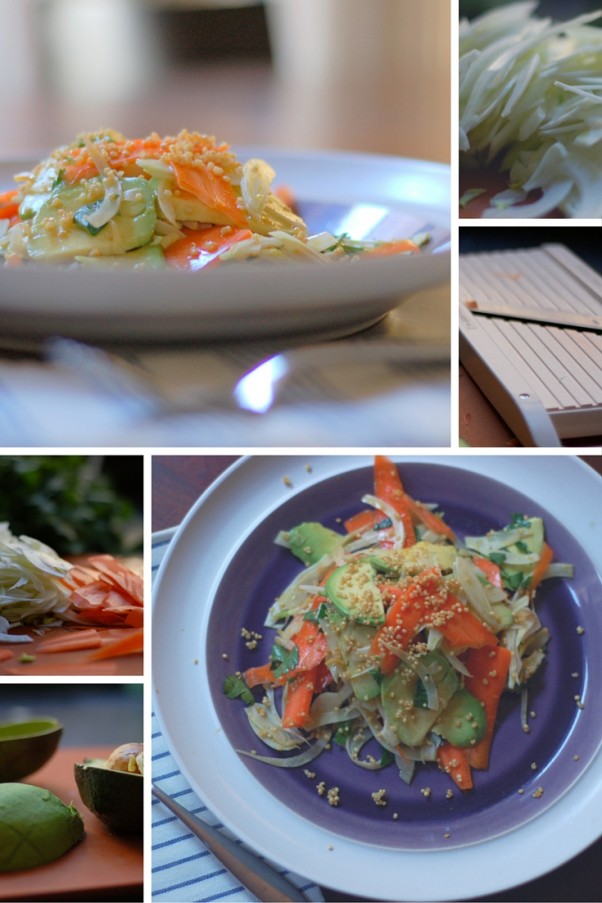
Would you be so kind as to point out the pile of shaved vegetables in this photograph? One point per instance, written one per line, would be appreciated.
(531, 107)
(398, 639)
(185, 202)
(39, 591)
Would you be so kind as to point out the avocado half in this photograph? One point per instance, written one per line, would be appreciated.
(26, 746)
(115, 797)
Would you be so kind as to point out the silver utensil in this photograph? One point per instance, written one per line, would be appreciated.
(254, 873)
(566, 319)
(343, 370)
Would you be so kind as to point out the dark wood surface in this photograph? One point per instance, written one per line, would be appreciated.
(178, 481)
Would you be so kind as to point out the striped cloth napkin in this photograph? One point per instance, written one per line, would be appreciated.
(183, 870)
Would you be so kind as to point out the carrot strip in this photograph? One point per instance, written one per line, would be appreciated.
(545, 559)
(461, 628)
(81, 640)
(430, 520)
(454, 762)
(130, 644)
(6, 654)
(214, 191)
(119, 575)
(364, 520)
(489, 668)
(8, 204)
(389, 248)
(389, 488)
(299, 698)
(201, 248)
(490, 569)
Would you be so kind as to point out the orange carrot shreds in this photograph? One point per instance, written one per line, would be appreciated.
(212, 188)
(364, 520)
(260, 674)
(132, 643)
(460, 627)
(454, 762)
(389, 488)
(6, 654)
(121, 576)
(9, 205)
(488, 668)
(201, 248)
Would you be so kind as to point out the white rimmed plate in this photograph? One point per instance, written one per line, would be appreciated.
(367, 195)
(186, 586)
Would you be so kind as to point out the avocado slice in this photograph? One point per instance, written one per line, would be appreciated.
(353, 590)
(56, 235)
(416, 558)
(26, 746)
(463, 721)
(400, 696)
(311, 541)
(150, 257)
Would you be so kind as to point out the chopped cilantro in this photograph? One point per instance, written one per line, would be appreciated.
(316, 614)
(283, 660)
(59, 179)
(497, 557)
(518, 520)
(235, 687)
(80, 218)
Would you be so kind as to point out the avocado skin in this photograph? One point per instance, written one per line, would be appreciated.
(115, 797)
(22, 755)
(36, 827)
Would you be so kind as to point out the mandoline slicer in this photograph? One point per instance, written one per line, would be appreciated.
(544, 380)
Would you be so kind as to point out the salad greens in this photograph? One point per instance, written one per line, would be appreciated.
(397, 639)
(530, 104)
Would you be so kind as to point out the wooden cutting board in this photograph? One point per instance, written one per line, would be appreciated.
(103, 866)
(67, 663)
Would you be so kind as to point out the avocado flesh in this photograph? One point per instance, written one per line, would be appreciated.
(115, 797)
(353, 590)
(416, 558)
(132, 227)
(36, 827)
(311, 541)
(399, 690)
(463, 721)
(25, 747)
(148, 258)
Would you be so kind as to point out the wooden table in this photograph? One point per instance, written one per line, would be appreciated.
(177, 482)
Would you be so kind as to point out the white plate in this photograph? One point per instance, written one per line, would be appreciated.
(256, 300)
(187, 582)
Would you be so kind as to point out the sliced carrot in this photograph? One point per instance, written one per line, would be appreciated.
(404, 616)
(461, 628)
(431, 521)
(260, 674)
(8, 204)
(389, 248)
(84, 639)
(6, 654)
(490, 569)
(299, 698)
(364, 520)
(201, 248)
(454, 762)
(545, 559)
(488, 668)
(120, 575)
(214, 191)
(130, 644)
(389, 488)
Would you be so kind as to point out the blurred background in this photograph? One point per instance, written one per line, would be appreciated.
(339, 74)
(91, 714)
(76, 504)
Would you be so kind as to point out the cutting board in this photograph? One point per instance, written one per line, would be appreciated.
(66, 663)
(103, 866)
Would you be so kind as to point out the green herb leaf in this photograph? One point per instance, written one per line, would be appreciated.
(316, 614)
(497, 557)
(518, 520)
(236, 688)
(80, 218)
(59, 179)
(283, 660)
(342, 733)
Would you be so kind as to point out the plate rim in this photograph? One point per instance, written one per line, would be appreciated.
(327, 872)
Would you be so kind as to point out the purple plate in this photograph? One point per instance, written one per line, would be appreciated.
(555, 753)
